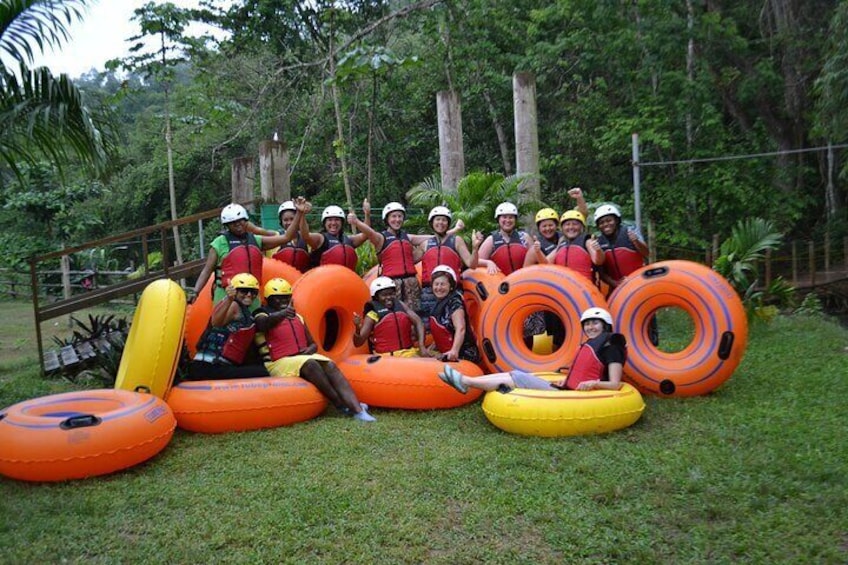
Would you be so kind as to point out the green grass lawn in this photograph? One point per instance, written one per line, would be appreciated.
(755, 472)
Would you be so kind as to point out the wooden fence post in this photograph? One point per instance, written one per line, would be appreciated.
(794, 262)
(812, 262)
(274, 183)
(826, 251)
(242, 181)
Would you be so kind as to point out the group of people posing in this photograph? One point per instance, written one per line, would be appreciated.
(401, 310)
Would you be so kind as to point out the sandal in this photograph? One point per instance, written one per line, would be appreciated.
(453, 378)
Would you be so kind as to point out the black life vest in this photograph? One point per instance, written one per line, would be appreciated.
(231, 342)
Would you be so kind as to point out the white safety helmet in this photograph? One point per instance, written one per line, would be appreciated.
(596, 314)
(287, 206)
(506, 209)
(381, 283)
(332, 212)
(439, 211)
(233, 213)
(393, 207)
(444, 269)
(606, 210)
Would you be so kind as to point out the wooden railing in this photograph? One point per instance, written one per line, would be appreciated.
(158, 235)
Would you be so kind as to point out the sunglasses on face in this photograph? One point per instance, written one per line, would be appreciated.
(249, 291)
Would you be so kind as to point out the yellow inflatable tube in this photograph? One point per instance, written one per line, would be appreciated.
(563, 413)
(155, 340)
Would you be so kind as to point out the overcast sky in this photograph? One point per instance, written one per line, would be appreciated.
(99, 37)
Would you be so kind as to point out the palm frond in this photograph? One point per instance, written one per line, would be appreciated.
(25, 24)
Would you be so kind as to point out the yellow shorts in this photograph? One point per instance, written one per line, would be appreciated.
(411, 352)
(290, 366)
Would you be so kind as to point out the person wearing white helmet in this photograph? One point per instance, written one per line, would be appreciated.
(452, 335)
(388, 324)
(295, 252)
(505, 249)
(624, 249)
(576, 250)
(288, 350)
(223, 348)
(444, 247)
(395, 251)
(235, 250)
(599, 363)
(331, 246)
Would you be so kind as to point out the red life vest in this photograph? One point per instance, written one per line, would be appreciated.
(508, 255)
(587, 365)
(230, 342)
(396, 260)
(285, 339)
(620, 255)
(336, 250)
(439, 253)
(393, 330)
(244, 256)
(295, 254)
(441, 323)
(573, 254)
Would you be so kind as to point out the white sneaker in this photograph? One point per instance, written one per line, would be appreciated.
(364, 416)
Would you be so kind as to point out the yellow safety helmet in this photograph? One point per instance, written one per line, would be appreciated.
(546, 214)
(572, 215)
(245, 280)
(277, 287)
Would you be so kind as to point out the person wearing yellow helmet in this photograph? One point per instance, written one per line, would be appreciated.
(598, 364)
(576, 250)
(223, 348)
(288, 350)
(547, 234)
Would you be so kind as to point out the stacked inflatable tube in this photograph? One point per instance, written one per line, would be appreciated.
(82, 434)
(244, 404)
(409, 383)
(155, 341)
(327, 297)
(563, 412)
(478, 286)
(718, 315)
(552, 288)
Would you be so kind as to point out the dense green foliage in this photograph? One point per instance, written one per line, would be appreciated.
(696, 80)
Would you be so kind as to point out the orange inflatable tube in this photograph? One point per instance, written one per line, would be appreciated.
(718, 315)
(410, 383)
(478, 286)
(326, 297)
(82, 434)
(551, 288)
(236, 405)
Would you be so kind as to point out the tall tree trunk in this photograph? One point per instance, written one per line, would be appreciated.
(499, 131)
(340, 144)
